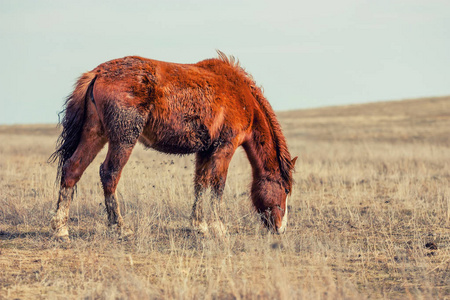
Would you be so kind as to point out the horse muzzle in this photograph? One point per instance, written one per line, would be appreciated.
(281, 225)
(275, 220)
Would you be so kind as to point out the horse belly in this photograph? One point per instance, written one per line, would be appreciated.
(177, 136)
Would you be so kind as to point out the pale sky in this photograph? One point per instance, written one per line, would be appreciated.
(303, 53)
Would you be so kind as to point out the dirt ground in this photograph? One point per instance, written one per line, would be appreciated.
(369, 217)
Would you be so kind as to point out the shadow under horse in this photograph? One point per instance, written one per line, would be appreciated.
(209, 108)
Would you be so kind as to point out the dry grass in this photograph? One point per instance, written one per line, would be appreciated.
(372, 189)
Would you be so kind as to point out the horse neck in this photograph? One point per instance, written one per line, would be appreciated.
(262, 154)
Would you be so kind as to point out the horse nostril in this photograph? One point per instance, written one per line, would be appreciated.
(281, 230)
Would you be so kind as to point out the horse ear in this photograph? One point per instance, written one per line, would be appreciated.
(293, 161)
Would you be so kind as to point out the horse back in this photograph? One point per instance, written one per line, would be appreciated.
(182, 108)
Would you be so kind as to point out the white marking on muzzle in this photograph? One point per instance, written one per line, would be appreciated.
(284, 221)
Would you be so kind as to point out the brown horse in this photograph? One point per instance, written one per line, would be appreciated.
(209, 108)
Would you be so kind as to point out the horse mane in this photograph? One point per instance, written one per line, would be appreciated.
(231, 60)
(283, 155)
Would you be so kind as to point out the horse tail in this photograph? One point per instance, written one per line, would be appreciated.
(75, 108)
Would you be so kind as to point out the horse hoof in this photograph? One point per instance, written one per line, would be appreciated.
(200, 226)
(60, 233)
(126, 234)
(62, 239)
(123, 232)
(218, 229)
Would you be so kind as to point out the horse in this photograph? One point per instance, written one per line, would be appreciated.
(208, 109)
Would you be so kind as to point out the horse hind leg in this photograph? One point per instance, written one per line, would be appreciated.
(122, 139)
(110, 172)
(90, 144)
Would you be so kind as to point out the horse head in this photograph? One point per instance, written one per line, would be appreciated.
(270, 197)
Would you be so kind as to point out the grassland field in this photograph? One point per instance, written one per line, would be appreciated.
(369, 217)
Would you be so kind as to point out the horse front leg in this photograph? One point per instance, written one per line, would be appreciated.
(197, 216)
(210, 176)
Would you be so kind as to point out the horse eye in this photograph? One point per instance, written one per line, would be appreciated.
(286, 191)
